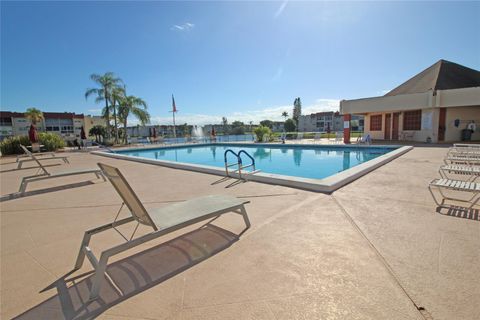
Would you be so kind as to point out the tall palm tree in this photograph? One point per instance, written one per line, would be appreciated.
(131, 105)
(285, 114)
(34, 115)
(118, 93)
(106, 83)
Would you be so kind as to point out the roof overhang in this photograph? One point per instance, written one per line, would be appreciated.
(430, 99)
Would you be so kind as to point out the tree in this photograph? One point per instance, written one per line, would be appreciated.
(297, 110)
(98, 131)
(267, 123)
(131, 105)
(117, 94)
(34, 115)
(285, 114)
(238, 127)
(289, 125)
(225, 125)
(106, 83)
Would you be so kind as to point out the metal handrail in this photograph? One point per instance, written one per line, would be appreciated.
(248, 155)
(102, 146)
(227, 165)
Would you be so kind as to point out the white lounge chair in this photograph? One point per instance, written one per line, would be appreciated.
(47, 175)
(317, 137)
(31, 157)
(366, 139)
(467, 145)
(38, 154)
(339, 137)
(470, 187)
(471, 172)
(461, 159)
(299, 137)
(162, 220)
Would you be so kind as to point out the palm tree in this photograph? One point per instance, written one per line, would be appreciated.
(117, 94)
(34, 115)
(106, 82)
(131, 105)
(285, 114)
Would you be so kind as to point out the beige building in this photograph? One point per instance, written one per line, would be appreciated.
(68, 125)
(436, 105)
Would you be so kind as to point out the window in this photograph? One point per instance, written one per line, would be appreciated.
(412, 120)
(376, 122)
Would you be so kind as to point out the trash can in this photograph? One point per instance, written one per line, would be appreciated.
(466, 135)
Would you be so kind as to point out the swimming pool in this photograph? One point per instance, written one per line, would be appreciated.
(306, 162)
(314, 167)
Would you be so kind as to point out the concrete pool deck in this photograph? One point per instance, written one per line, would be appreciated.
(374, 249)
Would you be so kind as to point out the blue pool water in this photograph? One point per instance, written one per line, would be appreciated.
(303, 161)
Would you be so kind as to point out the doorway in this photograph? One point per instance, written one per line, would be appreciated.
(395, 127)
(442, 124)
(388, 123)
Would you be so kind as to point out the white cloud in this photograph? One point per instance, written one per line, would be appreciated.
(280, 9)
(95, 111)
(278, 74)
(187, 26)
(271, 113)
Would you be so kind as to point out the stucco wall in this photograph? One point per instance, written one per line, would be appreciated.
(418, 135)
(464, 114)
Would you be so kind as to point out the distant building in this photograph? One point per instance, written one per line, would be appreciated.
(66, 124)
(435, 105)
(278, 126)
(324, 121)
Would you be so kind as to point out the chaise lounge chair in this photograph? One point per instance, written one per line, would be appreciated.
(456, 186)
(162, 221)
(472, 172)
(29, 154)
(339, 137)
(462, 159)
(47, 175)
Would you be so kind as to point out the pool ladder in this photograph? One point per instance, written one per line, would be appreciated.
(239, 163)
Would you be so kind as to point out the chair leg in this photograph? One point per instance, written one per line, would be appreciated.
(245, 216)
(81, 253)
(98, 277)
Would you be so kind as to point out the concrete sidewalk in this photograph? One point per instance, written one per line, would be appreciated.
(375, 249)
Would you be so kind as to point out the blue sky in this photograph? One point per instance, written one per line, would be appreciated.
(244, 60)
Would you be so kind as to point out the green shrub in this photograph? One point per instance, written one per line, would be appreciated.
(261, 132)
(51, 141)
(11, 145)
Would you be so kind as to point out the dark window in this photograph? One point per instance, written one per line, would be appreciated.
(376, 123)
(412, 120)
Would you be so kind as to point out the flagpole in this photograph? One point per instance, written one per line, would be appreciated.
(174, 131)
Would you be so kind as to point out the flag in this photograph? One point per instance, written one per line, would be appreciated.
(174, 107)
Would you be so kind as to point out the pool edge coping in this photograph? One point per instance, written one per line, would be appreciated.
(326, 185)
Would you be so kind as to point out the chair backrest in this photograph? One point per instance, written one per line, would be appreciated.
(31, 155)
(317, 136)
(299, 135)
(127, 194)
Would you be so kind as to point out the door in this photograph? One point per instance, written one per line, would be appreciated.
(396, 119)
(388, 123)
(442, 124)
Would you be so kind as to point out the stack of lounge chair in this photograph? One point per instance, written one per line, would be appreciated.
(458, 175)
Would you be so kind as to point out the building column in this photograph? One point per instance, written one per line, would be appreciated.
(346, 128)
